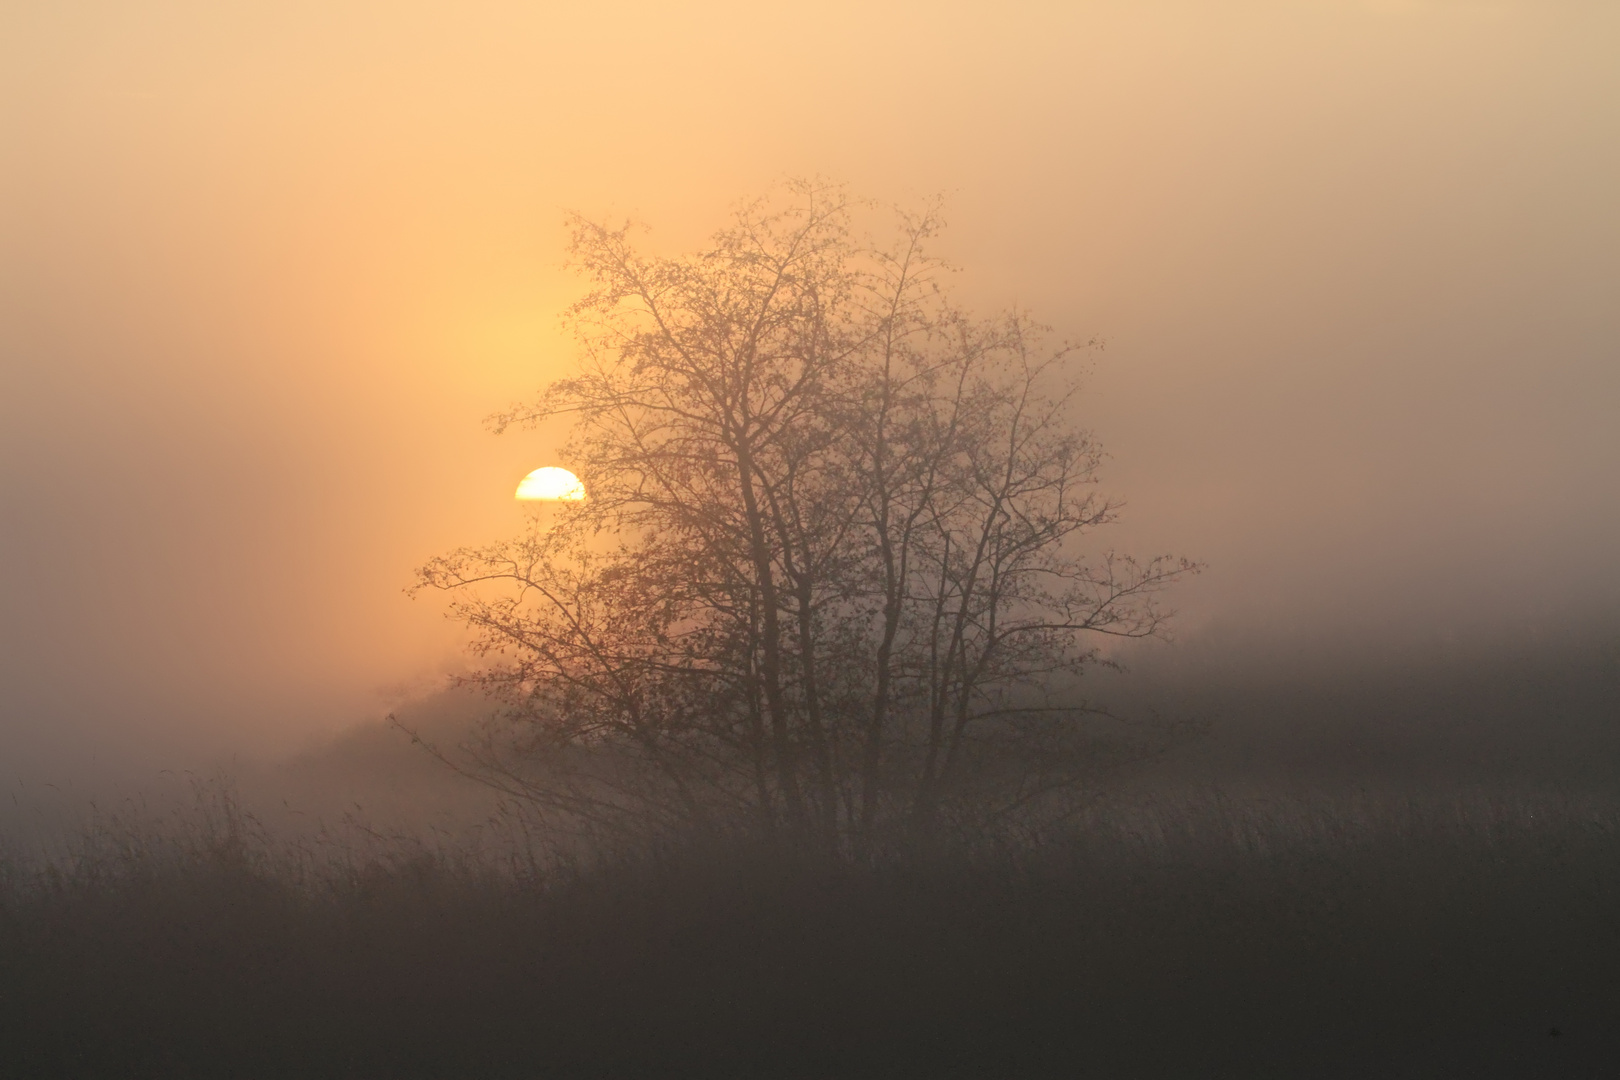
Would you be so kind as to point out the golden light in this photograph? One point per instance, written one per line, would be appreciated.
(551, 484)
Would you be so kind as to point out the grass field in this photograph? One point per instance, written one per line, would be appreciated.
(1355, 933)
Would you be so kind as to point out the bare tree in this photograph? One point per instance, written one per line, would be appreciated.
(831, 569)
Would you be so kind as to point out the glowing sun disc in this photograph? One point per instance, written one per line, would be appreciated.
(551, 484)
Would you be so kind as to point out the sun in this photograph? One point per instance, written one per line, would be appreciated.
(551, 484)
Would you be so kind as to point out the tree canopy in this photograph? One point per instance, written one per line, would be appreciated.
(833, 575)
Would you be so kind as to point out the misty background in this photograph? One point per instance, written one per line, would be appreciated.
(264, 269)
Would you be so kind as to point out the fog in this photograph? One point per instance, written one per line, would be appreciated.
(264, 268)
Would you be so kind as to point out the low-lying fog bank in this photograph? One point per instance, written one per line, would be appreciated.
(1306, 867)
(1428, 729)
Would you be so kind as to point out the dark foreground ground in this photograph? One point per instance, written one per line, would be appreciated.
(1468, 939)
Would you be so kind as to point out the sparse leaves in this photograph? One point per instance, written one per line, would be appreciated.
(833, 552)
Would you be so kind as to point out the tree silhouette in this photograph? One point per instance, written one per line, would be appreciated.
(829, 573)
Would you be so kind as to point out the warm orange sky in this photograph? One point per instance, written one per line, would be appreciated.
(265, 267)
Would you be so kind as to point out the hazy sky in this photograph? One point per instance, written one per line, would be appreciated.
(265, 267)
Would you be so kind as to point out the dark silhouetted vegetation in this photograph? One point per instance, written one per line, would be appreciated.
(1436, 934)
(834, 568)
